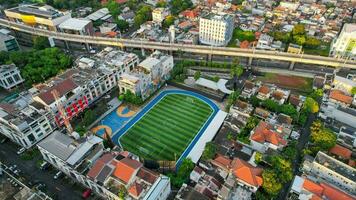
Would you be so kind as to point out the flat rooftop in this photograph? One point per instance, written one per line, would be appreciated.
(45, 11)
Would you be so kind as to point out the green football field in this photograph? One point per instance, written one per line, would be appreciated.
(166, 130)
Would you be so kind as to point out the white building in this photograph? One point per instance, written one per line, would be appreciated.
(77, 26)
(8, 43)
(25, 122)
(345, 44)
(330, 170)
(81, 86)
(216, 30)
(264, 42)
(86, 162)
(159, 14)
(148, 76)
(10, 76)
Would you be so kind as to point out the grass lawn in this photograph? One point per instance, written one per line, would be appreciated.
(323, 50)
(165, 131)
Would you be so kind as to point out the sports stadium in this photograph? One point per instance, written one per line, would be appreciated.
(176, 124)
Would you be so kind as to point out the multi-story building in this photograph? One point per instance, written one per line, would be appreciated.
(44, 17)
(328, 169)
(10, 76)
(79, 87)
(159, 14)
(216, 30)
(8, 43)
(264, 42)
(345, 44)
(105, 173)
(344, 82)
(25, 122)
(77, 26)
(148, 76)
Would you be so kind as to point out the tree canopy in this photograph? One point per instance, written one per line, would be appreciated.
(270, 183)
(40, 42)
(178, 6)
(322, 138)
(209, 151)
(353, 91)
(143, 15)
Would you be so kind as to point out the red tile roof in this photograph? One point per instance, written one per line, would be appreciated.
(338, 95)
(147, 175)
(263, 133)
(244, 44)
(190, 14)
(99, 164)
(135, 189)
(326, 191)
(264, 89)
(63, 88)
(222, 162)
(126, 168)
(247, 173)
(341, 151)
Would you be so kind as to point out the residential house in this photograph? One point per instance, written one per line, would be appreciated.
(297, 101)
(327, 169)
(266, 136)
(280, 96)
(264, 92)
(341, 98)
(24, 121)
(261, 113)
(249, 89)
(305, 188)
(242, 108)
(318, 82)
(246, 174)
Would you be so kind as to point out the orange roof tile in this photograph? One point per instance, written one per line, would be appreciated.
(135, 189)
(341, 151)
(338, 95)
(264, 89)
(126, 168)
(244, 44)
(313, 187)
(247, 173)
(222, 161)
(263, 133)
(334, 194)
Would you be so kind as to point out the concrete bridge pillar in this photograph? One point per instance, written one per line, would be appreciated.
(66, 44)
(143, 52)
(291, 66)
(209, 58)
(250, 61)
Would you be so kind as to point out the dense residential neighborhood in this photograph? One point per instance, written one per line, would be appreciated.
(179, 99)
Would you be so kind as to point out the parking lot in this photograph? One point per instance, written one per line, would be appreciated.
(31, 174)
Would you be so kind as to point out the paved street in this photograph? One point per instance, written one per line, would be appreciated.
(57, 189)
(303, 140)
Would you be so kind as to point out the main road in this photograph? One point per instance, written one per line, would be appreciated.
(197, 49)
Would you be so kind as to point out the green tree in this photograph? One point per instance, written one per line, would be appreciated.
(143, 15)
(255, 101)
(316, 94)
(282, 167)
(114, 8)
(271, 185)
(290, 151)
(197, 75)
(122, 192)
(161, 4)
(209, 151)
(312, 42)
(178, 6)
(353, 91)
(89, 117)
(298, 29)
(281, 36)
(299, 39)
(310, 105)
(321, 137)
(168, 21)
(40, 42)
(122, 25)
(258, 157)
(236, 71)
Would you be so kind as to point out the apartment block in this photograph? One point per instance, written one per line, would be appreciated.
(24, 121)
(216, 30)
(328, 169)
(10, 76)
(8, 43)
(345, 44)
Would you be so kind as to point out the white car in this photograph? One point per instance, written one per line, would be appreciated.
(20, 151)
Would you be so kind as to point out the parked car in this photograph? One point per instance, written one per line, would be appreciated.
(45, 165)
(58, 175)
(86, 193)
(20, 151)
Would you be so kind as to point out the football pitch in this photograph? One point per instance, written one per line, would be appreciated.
(168, 128)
